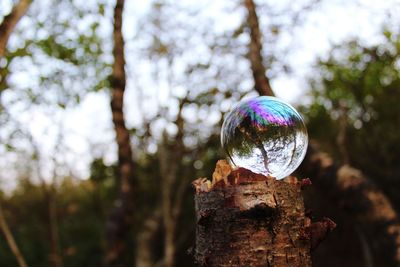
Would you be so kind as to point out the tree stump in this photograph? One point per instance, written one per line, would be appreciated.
(247, 219)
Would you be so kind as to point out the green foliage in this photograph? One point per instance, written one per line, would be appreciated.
(361, 83)
(81, 209)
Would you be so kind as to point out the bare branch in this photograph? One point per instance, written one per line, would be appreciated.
(10, 240)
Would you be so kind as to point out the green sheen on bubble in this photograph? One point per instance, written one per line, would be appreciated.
(265, 135)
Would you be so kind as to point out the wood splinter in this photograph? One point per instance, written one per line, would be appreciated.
(248, 219)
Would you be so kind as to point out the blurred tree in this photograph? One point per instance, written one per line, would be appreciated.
(382, 218)
(6, 28)
(178, 126)
(81, 223)
(120, 220)
(11, 240)
(362, 84)
(261, 82)
(354, 94)
(52, 41)
(49, 191)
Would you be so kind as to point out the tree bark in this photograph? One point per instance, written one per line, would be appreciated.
(10, 240)
(247, 219)
(9, 23)
(170, 157)
(119, 222)
(168, 173)
(261, 82)
(55, 253)
(144, 255)
(361, 200)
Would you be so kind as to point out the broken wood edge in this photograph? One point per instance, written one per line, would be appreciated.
(224, 176)
(225, 179)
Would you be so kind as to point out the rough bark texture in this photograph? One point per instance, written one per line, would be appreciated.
(9, 23)
(247, 219)
(362, 201)
(261, 82)
(119, 221)
(11, 241)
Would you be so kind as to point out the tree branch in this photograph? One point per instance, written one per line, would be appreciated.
(9, 23)
(261, 81)
(10, 240)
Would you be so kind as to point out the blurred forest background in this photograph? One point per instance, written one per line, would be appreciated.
(108, 111)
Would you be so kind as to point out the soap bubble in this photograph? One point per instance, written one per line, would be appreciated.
(266, 136)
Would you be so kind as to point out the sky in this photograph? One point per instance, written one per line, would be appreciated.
(86, 129)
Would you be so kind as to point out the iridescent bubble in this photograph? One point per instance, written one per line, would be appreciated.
(265, 135)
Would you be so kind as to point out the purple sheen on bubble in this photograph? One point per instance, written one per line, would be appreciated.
(265, 135)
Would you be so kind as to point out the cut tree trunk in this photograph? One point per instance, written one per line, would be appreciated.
(247, 219)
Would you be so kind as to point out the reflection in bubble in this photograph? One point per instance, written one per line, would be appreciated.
(265, 135)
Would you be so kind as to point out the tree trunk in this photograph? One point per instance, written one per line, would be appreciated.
(55, 254)
(168, 172)
(361, 200)
(170, 157)
(6, 28)
(144, 255)
(261, 82)
(119, 222)
(247, 219)
(9, 23)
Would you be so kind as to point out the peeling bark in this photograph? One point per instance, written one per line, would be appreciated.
(319, 230)
(119, 222)
(261, 82)
(9, 23)
(249, 219)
